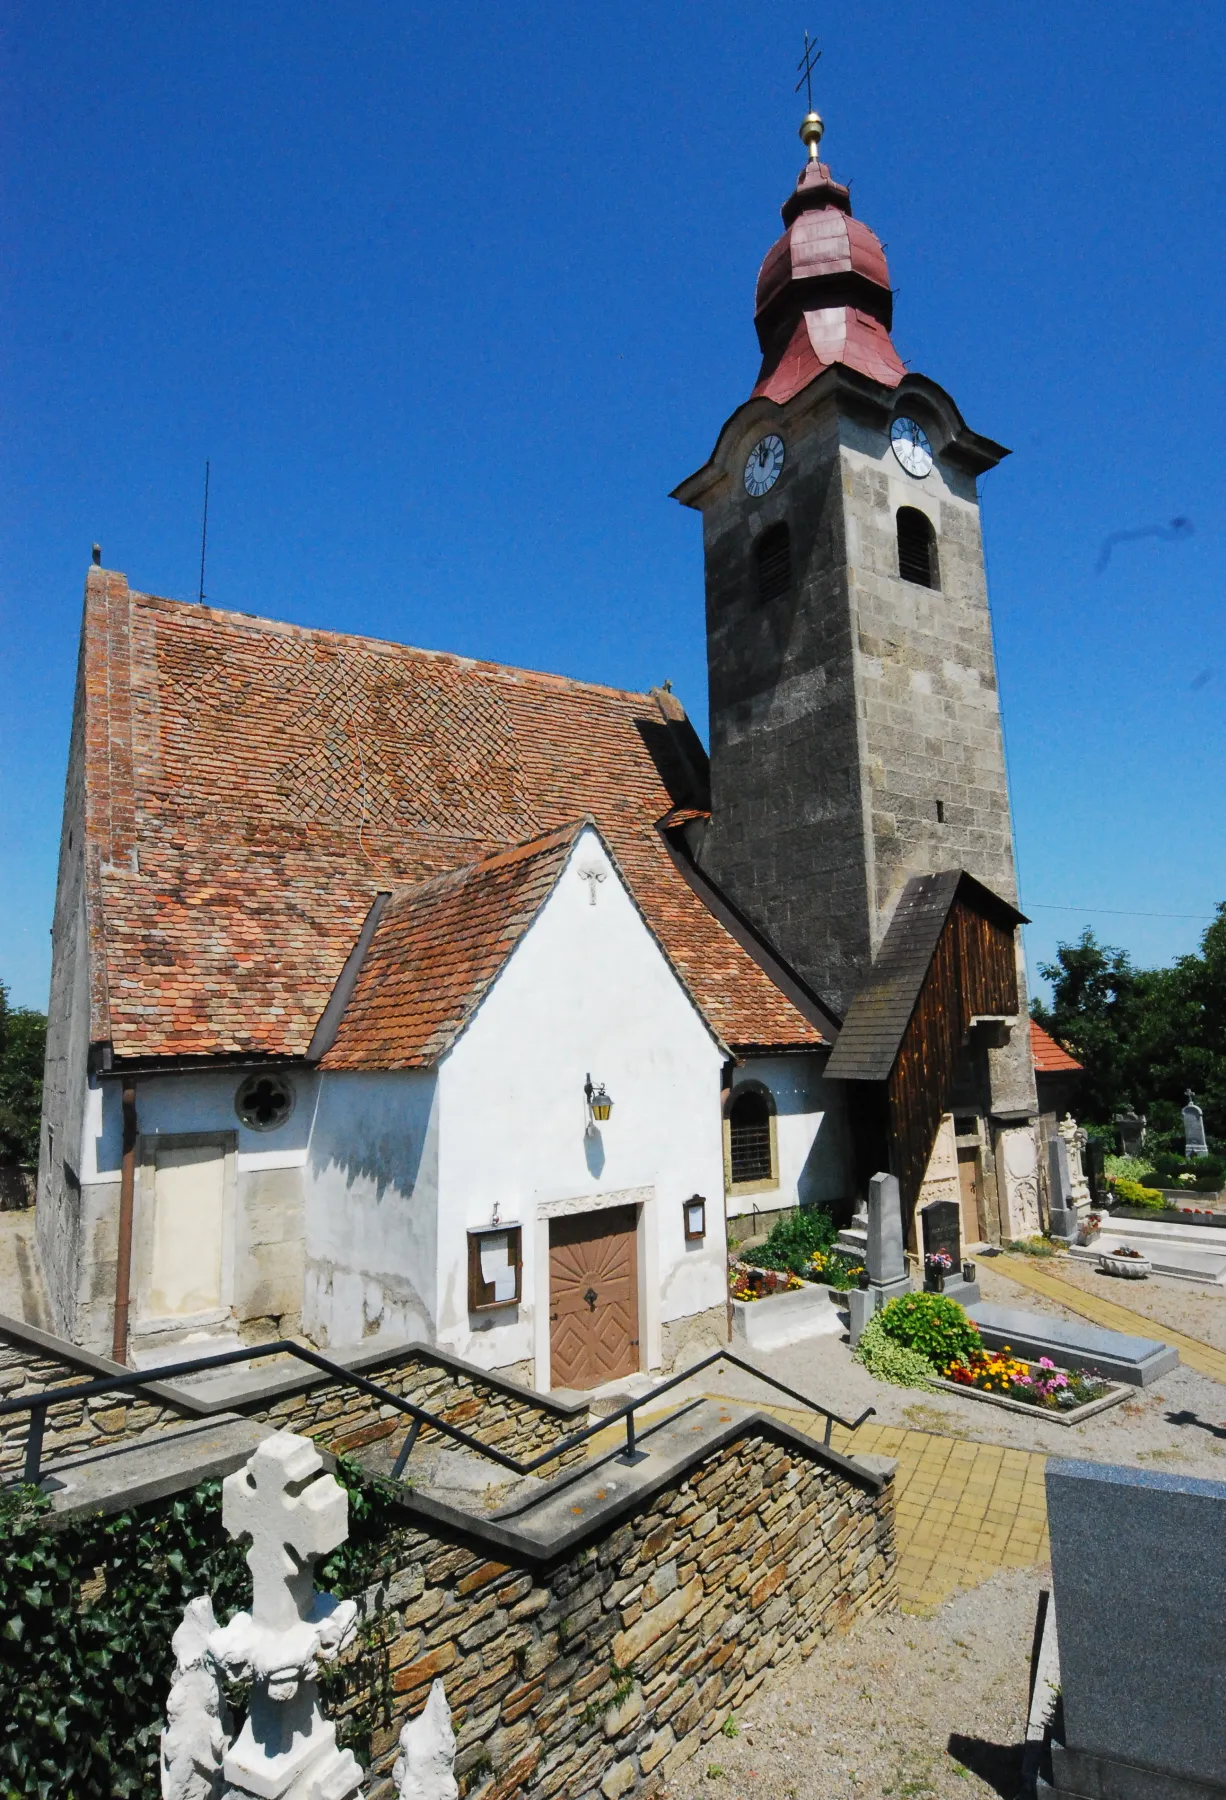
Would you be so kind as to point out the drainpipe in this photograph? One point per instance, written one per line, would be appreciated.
(123, 1266)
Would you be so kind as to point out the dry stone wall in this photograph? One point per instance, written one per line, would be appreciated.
(339, 1416)
(599, 1677)
(72, 1425)
(348, 1420)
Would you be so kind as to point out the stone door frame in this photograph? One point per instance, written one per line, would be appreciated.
(650, 1329)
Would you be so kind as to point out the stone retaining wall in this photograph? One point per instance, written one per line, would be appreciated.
(599, 1677)
(77, 1424)
(341, 1417)
(346, 1419)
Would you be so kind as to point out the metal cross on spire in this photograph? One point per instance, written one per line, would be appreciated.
(805, 65)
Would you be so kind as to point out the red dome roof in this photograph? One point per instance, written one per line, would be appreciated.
(823, 293)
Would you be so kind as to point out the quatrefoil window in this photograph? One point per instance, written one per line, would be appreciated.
(264, 1101)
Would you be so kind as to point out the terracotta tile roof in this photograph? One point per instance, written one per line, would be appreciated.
(1050, 1058)
(250, 786)
(436, 950)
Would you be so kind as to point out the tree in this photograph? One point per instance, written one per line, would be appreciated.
(1144, 1036)
(23, 1044)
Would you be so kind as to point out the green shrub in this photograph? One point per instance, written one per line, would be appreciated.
(887, 1359)
(1127, 1168)
(932, 1324)
(792, 1242)
(1131, 1193)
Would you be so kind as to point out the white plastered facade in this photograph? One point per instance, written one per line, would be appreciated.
(350, 1221)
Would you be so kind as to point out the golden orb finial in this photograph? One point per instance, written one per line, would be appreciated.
(811, 129)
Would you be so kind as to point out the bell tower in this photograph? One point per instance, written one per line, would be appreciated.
(855, 725)
(855, 722)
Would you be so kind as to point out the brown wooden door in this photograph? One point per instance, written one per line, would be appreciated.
(593, 1298)
(968, 1186)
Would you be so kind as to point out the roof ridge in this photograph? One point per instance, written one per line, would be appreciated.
(286, 628)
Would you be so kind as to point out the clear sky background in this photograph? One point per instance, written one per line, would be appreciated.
(452, 298)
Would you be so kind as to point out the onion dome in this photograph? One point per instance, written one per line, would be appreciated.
(824, 292)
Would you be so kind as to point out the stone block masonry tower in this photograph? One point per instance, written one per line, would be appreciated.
(855, 726)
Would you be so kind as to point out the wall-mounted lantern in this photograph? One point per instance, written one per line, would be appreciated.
(599, 1103)
(695, 1212)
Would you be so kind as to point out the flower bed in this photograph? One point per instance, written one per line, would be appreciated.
(747, 1283)
(1069, 1395)
(839, 1269)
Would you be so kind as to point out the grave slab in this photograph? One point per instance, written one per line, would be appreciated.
(1072, 1344)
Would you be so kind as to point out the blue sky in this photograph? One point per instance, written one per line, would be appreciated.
(452, 300)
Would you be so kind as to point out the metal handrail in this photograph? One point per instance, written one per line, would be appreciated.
(38, 1404)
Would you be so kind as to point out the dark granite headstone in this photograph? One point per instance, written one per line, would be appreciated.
(942, 1222)
(1136, 1561)
(1131, 1129)
(1092, 1162)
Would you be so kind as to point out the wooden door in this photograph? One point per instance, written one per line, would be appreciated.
(593, 1298)
(968, 1188)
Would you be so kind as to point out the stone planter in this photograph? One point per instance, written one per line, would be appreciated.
(1132, 1268)
(782, 1319)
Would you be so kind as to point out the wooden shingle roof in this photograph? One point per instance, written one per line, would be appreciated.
(251, 786)
(881, 1009)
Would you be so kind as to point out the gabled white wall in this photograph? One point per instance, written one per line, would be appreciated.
(587, 989)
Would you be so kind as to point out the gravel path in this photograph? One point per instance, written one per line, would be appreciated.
(920, 1709)
(1188, 1306)
(1178, 1424)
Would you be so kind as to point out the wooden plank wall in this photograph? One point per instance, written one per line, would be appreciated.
(973, 971)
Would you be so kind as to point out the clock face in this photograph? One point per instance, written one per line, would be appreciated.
(764, 465)
(911, 447)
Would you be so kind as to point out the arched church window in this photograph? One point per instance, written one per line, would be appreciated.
(917, 548)
(751, 1141)
(773, 560)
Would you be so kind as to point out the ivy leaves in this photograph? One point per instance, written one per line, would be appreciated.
(88, 1613)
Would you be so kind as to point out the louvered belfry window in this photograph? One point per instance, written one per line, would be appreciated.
(917, 548)
(749, 1131)
(773, 557)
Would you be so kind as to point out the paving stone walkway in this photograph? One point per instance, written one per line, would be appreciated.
(1115, 1315)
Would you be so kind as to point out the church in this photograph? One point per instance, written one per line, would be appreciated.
(400, 995)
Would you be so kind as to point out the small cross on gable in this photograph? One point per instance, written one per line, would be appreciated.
(592, 877)
(293, 1515)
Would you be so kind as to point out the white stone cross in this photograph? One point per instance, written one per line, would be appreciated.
(592, 877)
(292, 1518)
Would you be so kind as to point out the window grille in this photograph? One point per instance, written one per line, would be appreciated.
(749, 1132)
(773, 556)
(917, 548)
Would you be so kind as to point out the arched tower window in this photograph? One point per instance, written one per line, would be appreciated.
(917, 548)
(773, 562)
(751, 1137)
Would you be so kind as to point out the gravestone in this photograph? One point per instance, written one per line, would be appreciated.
(1063, 1214)
(885, 1256)
(1096, 1178)
(286, 1749)
(941, 1223)
(1131, 1129)
(1194, 1140)
(1136, 1577)
(1075, 1142)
